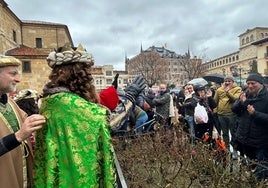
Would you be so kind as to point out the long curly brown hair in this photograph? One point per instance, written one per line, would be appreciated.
(77, 78)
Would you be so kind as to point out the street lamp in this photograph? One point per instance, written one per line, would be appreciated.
(223, 71)
(100, 83)
(240, 69)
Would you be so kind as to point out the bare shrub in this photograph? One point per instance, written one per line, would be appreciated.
(166, 159)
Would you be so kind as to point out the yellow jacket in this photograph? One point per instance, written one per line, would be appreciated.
(225, 100)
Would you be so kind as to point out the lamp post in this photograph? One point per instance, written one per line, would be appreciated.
(223, 71)
(240, 82)
(100, 83)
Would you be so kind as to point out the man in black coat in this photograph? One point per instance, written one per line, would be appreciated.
(252, 127)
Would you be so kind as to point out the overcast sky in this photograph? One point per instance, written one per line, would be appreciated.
(112, 29)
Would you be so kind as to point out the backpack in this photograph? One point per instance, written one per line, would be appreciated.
(200, 114)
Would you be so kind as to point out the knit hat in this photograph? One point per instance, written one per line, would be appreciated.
(255, 77)
(229, 78)
(9, 61)
(109, 98)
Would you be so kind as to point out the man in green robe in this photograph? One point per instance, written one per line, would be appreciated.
(74, 148)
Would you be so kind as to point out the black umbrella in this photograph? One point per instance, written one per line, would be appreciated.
(218, 78)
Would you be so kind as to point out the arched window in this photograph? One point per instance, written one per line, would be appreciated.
(243, 41)
(247, 40)
(251, 38)
(233, 58)
(237, 57)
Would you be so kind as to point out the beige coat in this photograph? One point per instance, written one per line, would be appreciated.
(13, 164)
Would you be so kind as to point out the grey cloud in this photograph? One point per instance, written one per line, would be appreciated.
(111, 29)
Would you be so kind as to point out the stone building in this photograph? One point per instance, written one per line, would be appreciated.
(250, 57)
(104, 76)
(30, 41)
(175, 74)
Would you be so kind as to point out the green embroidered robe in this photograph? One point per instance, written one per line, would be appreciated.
(74, 148)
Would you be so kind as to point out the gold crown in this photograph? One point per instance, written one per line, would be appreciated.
(80, 48)
(69, 47)
(68, 54)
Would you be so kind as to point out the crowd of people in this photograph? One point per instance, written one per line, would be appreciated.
(238, 115)
(69, 133)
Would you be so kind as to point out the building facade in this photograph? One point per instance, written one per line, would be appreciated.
(250, 57)
(174, 74)
(31, 42)
(104, 76)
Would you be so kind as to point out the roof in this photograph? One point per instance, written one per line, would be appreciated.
(41, 23)
(255, 28)
(23, 50)
(260, 41)
(120, 72)
(162, 51)
(5, 6)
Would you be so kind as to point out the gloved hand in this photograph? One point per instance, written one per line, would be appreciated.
(133, 90)
(115, 82)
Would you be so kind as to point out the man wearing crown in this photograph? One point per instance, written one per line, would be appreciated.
(74, 147)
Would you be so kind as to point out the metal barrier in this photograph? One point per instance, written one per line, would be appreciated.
(120, 177)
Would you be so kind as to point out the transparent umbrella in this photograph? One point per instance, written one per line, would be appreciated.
(198, 81)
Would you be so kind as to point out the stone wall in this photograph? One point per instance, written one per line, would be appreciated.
(9, 23)
(37, 78)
